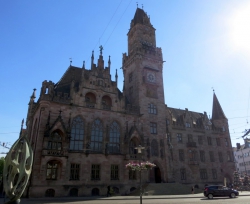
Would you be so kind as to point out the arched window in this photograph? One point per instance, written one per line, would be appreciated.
(96, 136)
(52, 170)
(106, 102)
(50, 193)
(77, 133)
(55, 141)
(154, 148)
(114, 138)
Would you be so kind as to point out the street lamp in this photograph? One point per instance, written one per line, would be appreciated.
(139, 151)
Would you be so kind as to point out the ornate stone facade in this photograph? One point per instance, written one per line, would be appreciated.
(83, 129)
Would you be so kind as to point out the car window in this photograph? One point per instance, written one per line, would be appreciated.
(225, 188)
(213, 187)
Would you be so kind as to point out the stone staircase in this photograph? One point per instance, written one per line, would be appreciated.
(165, 189)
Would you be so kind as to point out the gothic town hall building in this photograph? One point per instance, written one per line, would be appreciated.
(84, 130)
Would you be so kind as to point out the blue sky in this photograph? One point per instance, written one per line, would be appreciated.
(205, 44)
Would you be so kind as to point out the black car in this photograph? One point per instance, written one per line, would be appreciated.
(219, 191)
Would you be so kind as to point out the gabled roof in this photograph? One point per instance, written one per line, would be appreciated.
(217, 110)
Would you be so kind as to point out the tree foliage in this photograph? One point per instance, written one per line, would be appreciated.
(1, 165)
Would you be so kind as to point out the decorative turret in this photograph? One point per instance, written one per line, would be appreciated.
(92, 59)
(116, 76)
(109, 62)
(33, 96)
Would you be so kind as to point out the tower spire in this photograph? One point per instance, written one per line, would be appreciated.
(217, 112)
(116, 76)
(109, 62)
(92, 59)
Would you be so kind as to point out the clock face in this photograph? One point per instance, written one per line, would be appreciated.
(151, 77)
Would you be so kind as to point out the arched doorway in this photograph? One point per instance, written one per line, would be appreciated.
(157, 172)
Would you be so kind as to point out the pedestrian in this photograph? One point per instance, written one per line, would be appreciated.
(192, 190)
(108, 191)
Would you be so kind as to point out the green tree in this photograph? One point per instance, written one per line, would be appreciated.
(1, 167)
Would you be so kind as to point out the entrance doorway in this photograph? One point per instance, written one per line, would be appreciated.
(157, 175)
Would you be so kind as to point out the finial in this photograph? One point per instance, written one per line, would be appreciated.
(137, 4)
(116, 76)
(22, 123)
(83, 64)
(70, 61)
(109, 62)
(33, 96)
(101, 49)
(212, 88)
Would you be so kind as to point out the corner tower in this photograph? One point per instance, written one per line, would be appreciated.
(142, 67)
(143, 87)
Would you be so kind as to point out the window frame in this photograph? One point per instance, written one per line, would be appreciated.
(179, 137)
(95, 172)
(153, 128)
(74, 171)
(114, 172)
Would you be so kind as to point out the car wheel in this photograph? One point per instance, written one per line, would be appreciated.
(210, 196)
(232, 195)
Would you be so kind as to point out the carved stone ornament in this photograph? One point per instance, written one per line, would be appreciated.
(17, 169)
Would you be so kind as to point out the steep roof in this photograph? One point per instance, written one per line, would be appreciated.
(72, 73)
(217, 110)
(139, 15)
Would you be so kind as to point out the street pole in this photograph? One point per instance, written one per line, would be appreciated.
(140, 185)
(139, 152)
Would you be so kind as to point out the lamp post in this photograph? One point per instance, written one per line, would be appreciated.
(139, 151)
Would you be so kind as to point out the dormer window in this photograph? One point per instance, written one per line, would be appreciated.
(188, 125)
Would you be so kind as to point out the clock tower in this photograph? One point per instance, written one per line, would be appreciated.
(142, 67)
(143, 82)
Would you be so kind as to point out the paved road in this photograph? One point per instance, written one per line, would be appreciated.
(244, 198)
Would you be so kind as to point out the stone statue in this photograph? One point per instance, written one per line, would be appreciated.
(17, 169)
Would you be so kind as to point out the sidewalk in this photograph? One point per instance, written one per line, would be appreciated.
(70, 199)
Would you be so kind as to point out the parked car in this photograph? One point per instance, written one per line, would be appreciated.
(219, 191)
